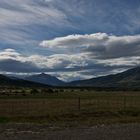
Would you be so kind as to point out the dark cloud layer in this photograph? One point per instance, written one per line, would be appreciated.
(67, 66)
(9, 65)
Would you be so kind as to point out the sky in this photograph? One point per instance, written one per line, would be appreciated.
(70, 39)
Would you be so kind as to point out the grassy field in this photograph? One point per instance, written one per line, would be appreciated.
(69, 107)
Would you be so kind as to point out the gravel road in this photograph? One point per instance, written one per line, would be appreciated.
(43, 132)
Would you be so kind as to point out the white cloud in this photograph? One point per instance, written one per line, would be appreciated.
(9, 54)
(72, 76)
(99, 45)
(53, 62)
(129, 61)
(75, 42)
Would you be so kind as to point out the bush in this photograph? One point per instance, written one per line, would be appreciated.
(34, 91)
(50, 90)
(45, 91)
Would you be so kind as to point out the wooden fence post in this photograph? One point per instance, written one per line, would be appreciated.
(124, 103)
(79, 104)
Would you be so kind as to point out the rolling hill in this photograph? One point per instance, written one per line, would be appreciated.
(7, 81)
(129, 78)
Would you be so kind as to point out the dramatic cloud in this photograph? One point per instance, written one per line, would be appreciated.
(72, 47)
(32, 20)
(60, 62)
(100, 45)
(65, 66)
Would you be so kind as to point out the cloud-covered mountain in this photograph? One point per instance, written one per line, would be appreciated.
(77, 56)
(129, 79)
(45, 79)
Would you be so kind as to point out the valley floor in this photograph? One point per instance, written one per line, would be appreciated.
(69, 114)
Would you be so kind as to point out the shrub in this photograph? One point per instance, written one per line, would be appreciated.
(34, 91)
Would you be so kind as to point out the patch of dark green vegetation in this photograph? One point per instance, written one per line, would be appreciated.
(4, 120)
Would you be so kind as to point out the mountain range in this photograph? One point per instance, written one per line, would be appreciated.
(45, 79)
(13, 81)
(129, 78)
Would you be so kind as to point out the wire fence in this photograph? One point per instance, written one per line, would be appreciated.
(58, 106)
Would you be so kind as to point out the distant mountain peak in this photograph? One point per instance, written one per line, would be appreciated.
(45, 79)
(43, 73)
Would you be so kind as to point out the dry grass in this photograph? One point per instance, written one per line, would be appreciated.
(63, 108)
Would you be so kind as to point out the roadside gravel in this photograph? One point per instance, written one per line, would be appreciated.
(43, 132)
